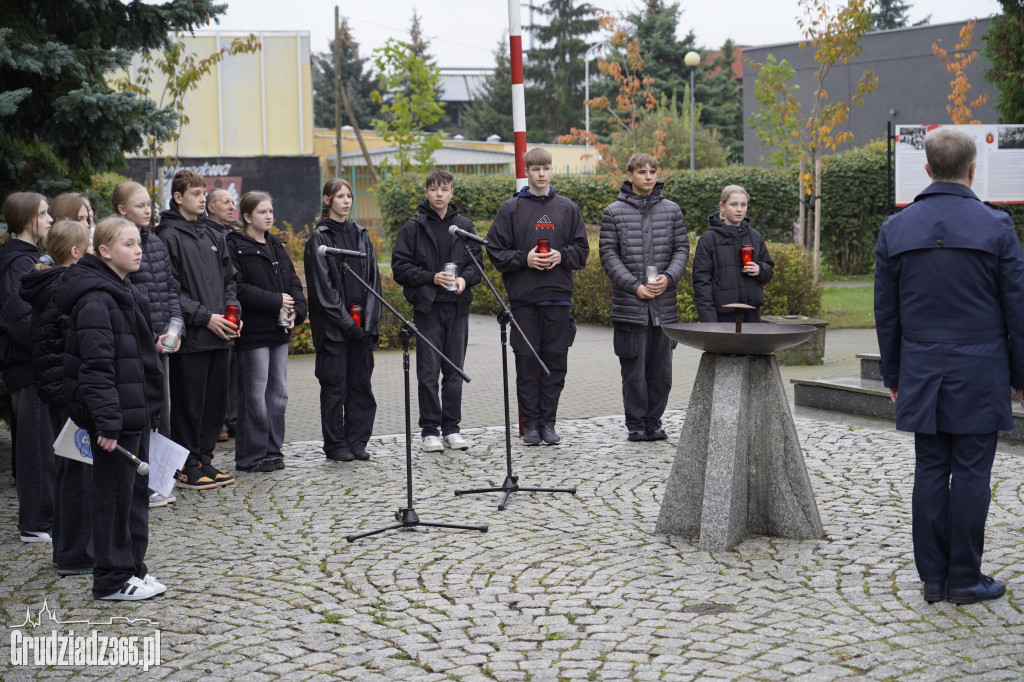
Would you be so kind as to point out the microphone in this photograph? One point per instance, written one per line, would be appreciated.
(325, 250)
(136, 463)
(462, 234)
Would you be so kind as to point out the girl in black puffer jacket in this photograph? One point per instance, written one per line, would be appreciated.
(113, 384)
(720, 273)
(66, 242)
(27, 223)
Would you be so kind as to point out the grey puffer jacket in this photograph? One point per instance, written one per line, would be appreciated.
(718, 276)
(637, 231)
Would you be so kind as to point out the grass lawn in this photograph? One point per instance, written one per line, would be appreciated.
(846, 307)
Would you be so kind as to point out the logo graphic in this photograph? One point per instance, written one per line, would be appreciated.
(544, 223)
(62, 647)
(84, 448)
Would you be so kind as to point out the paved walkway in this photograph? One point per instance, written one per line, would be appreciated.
(262, 584)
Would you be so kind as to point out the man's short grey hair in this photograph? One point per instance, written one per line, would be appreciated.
(950, 153)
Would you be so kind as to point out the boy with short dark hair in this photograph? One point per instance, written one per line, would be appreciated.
(535, 242)
(440, 302)
(643, 231)
(199, 370)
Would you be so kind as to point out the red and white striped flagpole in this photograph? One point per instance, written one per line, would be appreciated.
(515, 41)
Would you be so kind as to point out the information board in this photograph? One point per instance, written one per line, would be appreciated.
(999, 177)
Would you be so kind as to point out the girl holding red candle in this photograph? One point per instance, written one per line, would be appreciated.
(344, 319)
(731, 263)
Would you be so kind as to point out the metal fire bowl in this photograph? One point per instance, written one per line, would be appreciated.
(757, 338)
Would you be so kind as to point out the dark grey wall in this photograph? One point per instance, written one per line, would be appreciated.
(293, 181)
(913, 84)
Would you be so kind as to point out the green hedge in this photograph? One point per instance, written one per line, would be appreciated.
(773, 207)
(853, 207)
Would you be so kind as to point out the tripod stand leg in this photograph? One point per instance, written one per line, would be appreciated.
(356, 536)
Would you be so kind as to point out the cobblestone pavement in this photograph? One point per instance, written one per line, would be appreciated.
(262, 584)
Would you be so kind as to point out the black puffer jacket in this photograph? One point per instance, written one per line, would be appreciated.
(718, 273)
(637, 231)
(17, 258)
(328, 314)
(415, 260)
(112, 375)
(49, 329)
(264, 271)
(205, 276)
(155, 280)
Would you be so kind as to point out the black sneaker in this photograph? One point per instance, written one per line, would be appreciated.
(265, 465)
(532, 435)
(218, 476)
(193, 478)
(360, 453)
(547, 432)
(655, 432)
(340, 456)
(637, 436)
(278, 463)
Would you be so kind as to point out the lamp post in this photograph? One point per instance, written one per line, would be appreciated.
(692, 59)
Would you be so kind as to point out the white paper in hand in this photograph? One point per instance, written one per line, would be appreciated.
(165, 458)
(73, 443)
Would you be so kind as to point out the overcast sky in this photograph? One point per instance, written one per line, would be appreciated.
(465, 32)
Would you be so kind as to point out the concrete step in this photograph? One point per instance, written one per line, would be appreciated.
(869, 398)
(869, 366)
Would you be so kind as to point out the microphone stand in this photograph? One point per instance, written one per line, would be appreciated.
(511, 483)
(406, 516)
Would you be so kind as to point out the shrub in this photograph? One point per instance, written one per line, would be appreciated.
(101, 192)
(791, 291)
(854, 204)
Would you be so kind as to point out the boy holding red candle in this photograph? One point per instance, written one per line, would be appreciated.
(206, 292)
(536, 241)
(644, 249)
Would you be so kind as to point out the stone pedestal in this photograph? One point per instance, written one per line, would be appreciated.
(738, 468)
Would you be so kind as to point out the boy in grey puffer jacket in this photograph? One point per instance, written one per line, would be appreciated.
(643, 231)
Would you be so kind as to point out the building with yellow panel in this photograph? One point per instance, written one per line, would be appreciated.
(250, 123)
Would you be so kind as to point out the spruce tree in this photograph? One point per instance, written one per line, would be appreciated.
(662, 52)
(60, 118)
(355, 79)
(720, 96)
(556, 68)
(491, 113)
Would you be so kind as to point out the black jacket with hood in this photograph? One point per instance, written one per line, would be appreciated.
(415, 258)
(520, 222)
(49, 332)
(202, 269)
(718, 276)
(325, 284)
(112, 375)
(264, 272)
(17, 258)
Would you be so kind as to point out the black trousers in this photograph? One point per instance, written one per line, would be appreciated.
(551, 330)
(347, 405)
(645, 359)
(232, 398)
(72, 507)
(440, 414)
(120, 514)
(198, 399)
(952, 490)
(37, 471)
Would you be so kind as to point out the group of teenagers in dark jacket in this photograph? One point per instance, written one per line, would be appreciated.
(83, 333)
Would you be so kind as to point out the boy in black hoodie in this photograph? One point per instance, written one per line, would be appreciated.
(440, 302)
(538, 278)
(199, 370)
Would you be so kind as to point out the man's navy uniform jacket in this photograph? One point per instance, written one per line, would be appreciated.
(949, 312)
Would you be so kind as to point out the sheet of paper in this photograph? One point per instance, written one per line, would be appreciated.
(73, 443)
(165, 457)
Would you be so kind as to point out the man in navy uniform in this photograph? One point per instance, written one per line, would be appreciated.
(949, 314)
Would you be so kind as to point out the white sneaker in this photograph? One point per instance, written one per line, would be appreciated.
(158, 500)
(455, 441)
(36, 536)
(133, 590)
(431, 444)
(153, 582)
